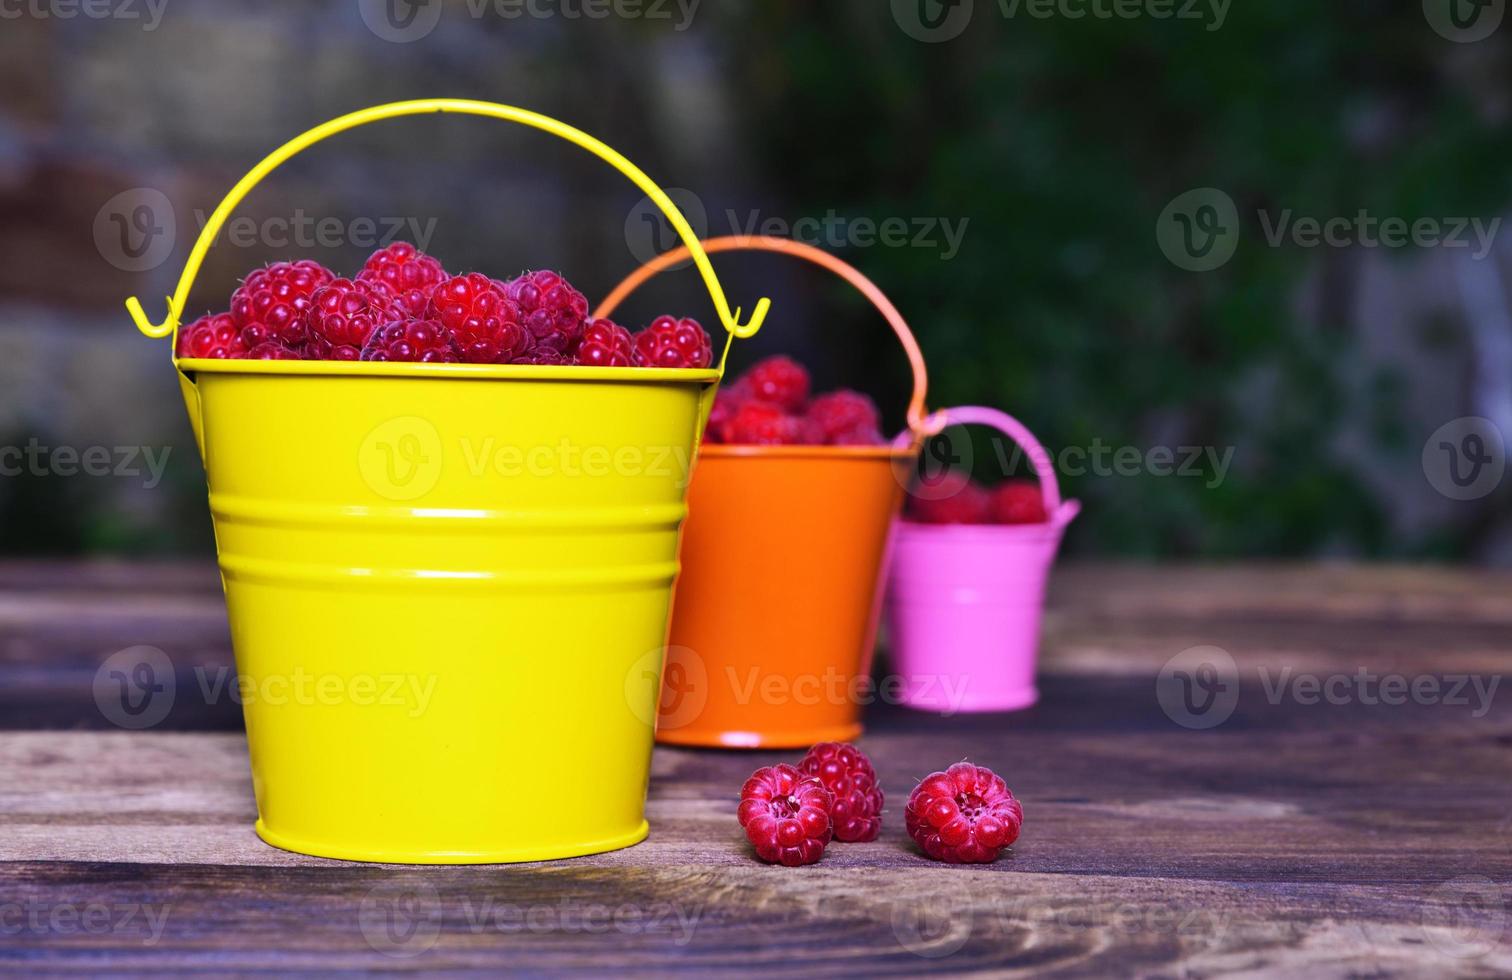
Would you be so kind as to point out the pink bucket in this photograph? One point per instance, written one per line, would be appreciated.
(964, 601)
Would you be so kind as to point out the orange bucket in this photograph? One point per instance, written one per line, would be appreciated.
(775, 612)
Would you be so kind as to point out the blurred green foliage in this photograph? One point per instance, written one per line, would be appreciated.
(1062, 140)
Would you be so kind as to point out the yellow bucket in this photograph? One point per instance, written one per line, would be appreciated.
(448, 584)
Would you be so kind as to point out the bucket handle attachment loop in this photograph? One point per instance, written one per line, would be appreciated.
(1039, 458)
(787, 246)
(730, 318)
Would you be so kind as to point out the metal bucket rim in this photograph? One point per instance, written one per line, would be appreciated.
(471, 372)
(1054, 526)
(819, 453)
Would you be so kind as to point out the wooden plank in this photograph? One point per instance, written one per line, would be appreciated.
(1194, 804)
(1298, 838)
(740, 921)
(1195, 849)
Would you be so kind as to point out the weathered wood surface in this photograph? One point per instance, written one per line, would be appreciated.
(1294, 839)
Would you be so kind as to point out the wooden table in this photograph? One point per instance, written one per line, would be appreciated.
(1337, 838)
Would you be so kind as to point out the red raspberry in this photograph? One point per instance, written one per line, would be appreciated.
(727, 402)
(550, 357)
(1017, 502)
(964, 815)
(672, 343)
(606, 344)
(343, 315)
(847, 773)
(860, 437)
(273, 302)
(781, 381)
(411, 340)
(211, 336)
(272, 350)
(409, 274)
(846, 418)
(968, 505)
(484, 322)
(786, 815)
(762, 424)
(554, 312)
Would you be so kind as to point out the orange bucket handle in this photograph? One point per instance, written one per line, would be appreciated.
(917, 421)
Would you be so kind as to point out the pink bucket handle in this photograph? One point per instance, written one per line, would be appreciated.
(1006, 424)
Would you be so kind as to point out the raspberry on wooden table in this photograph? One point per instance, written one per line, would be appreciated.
(847, 773)
(785, 815)
(964, 815)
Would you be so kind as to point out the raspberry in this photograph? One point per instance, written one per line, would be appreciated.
(847, 773)
(846, 418)
(273, 302)
(859, 437)
(761, 424)
(786, 815)
(1017, 502)
(343, 315)
(550, 357)
(409, 274)
(727, 402)
(554, 312)
(968, 505)
(781, 381)
(411, 340)
(211, 336)
(965, 815)
(672, 343)
(606, 344)
(484, 322)
(272, 350)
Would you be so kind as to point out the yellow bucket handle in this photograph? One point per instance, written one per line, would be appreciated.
(730, 318)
